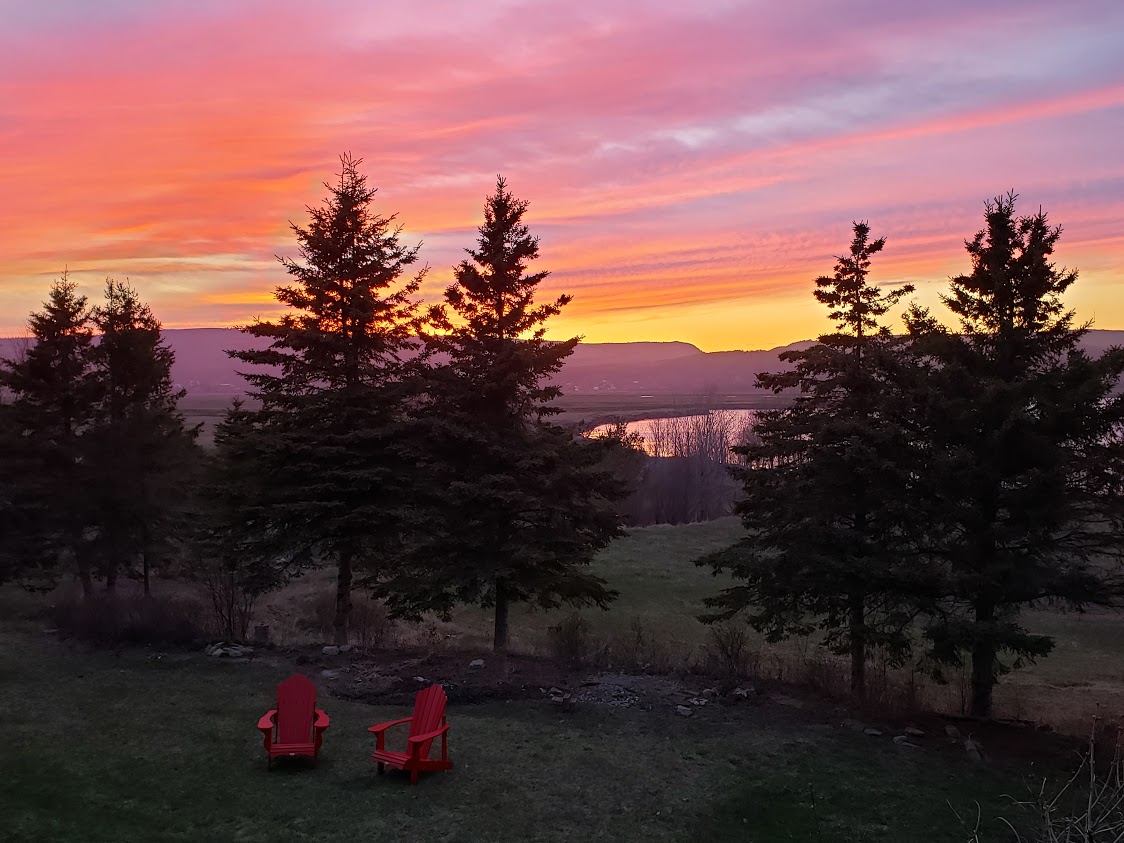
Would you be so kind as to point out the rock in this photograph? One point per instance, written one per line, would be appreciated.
(780, 699)
(347, 648)
(331, 650)
(683, 710)
(246, 651)
(329, 674)
(421, 680)
(556, 692)
(853, 725)
(698, 701)
(874, 733)
(217, 652)
(903, 740)
(952, 732)
(589, 683)
(710, 693)
(914, 732)
(744, 693)
(973, 750)
(476, 664)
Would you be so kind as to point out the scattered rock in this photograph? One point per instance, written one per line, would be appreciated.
(903, 740)
(683, 710)
(329, 674)
(476, 664)
(874, 733)
(744, 693)
(952, 732)
(914, 732)
(710, 693)
(698, 701)
(421, 680)
(331, 650)
(346, 648)
(853, 725)
(973, 750)
(589, 683)
(780, 699)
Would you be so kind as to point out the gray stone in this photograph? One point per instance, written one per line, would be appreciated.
(973, 750)
(698, 701)
(683, 710)
(903, 740)
(476, 664)
(329, 674)
(780, 699)
(421, 680)
(914, 732)
(331, 650)
(347, 648)
(744, 693)
(952, 732)
(710, 693)
(874, 733)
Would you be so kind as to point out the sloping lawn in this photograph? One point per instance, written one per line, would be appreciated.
(100, 747)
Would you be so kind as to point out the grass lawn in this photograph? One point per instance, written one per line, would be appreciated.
(100, 747)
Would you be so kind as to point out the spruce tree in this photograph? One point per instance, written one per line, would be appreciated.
(1022, 433)
(824, 484)
(514, 506)
(333, 384)
(137, 449)
(50, 388)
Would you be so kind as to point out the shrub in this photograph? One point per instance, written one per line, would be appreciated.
(728, 646)
(570, 641)
(368, 626)
(111, 619)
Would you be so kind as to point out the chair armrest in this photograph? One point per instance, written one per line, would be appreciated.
(266, 723)
(321, 720)
(382, 727)
(428, 736)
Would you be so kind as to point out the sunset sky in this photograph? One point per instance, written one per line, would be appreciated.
(691, 166)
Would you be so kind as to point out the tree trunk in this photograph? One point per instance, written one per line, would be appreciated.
(983, 661)
(858, 644)
(84, 572)
(499, 642)
(343, 600)
(111, 576)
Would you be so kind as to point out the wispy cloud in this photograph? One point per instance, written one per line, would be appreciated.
(690, 167)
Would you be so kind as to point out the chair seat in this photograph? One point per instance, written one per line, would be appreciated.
(395, 759)
(293, 749)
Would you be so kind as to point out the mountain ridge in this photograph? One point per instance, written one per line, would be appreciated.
(203, 367)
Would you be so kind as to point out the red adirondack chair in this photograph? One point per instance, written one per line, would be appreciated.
(426, 724)
(296, 727)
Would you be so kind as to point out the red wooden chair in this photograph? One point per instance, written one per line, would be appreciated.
(426, 724)
(296, 727)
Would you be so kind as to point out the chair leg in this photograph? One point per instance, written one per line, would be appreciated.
(413, 777)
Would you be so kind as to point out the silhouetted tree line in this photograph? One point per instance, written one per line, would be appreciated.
(917, 495)
(411, 449)
(924, 489)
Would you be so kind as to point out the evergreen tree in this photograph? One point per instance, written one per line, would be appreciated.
(824, 484)
(514, 506)
(339, 374)
(1022, 433)
(51, 392)
(137, 448)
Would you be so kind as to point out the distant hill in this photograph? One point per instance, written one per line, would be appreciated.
(630, 367)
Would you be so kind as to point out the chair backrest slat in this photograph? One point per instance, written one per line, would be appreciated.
(296, 703)
(428, 709)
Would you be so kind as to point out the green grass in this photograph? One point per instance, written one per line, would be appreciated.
(136, 748)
